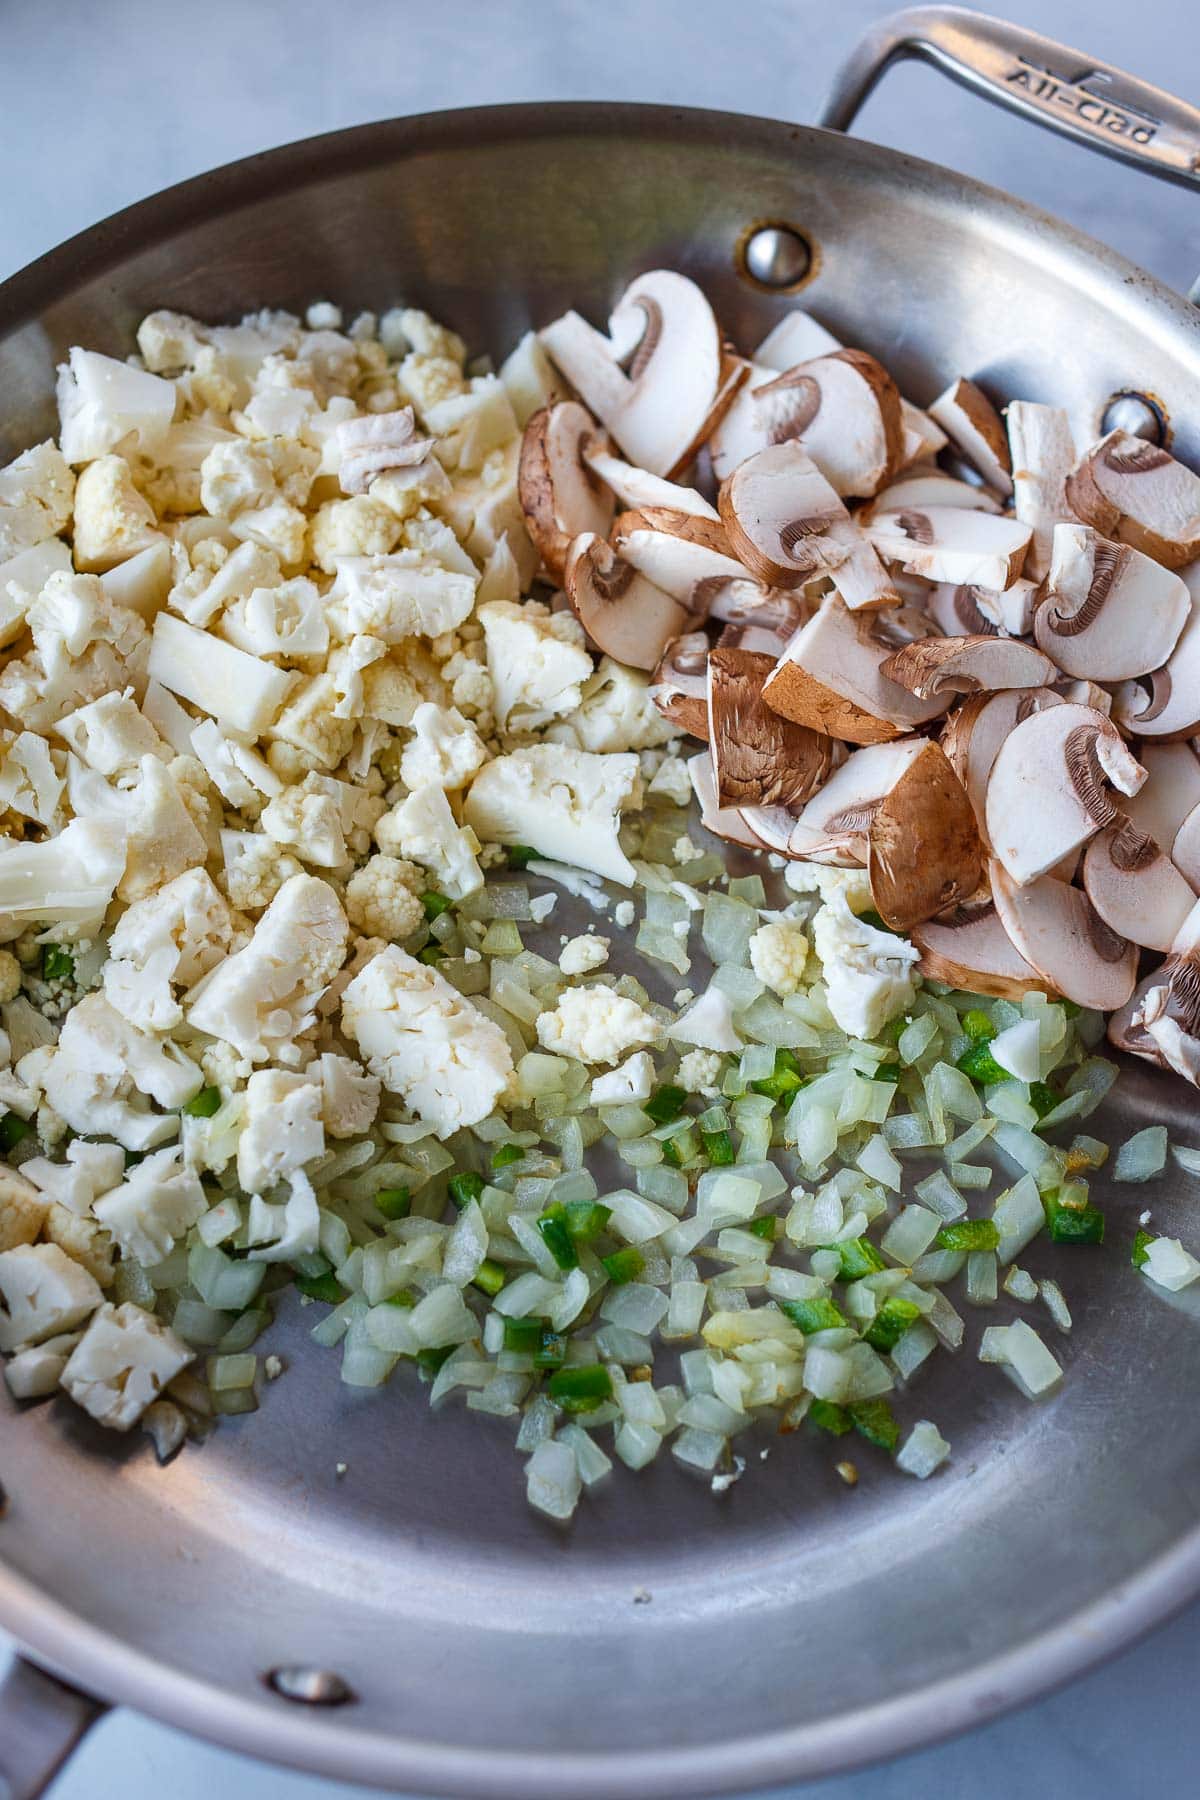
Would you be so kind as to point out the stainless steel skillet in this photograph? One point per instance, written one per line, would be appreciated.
(791, 1627)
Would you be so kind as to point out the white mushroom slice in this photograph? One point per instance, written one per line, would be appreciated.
(1135, 888)
(948, 543)
(843, 408)
(1164, 1023)
(1042, 452)
(969, 948)
(1109, 612)
(723, 822)
(839, 817)
(795, 338)
(923, 849)
(559, 495)
(788, 526)
(942, 666)
(680, 689)
(675, 550)
(1170, 793)
(930, 487)
(757, 618)
(1085, 693)
(1165, 703)
(976, 610)
(1139, 494)
(1126, 1030)
(659, 411)
(1056, 928)
(830, 675)
(923, 436)
(624, 614)
(976, 429)
(758, 757)
(636, 488)
(975, 731)
(1185, 848)
(1047, 793)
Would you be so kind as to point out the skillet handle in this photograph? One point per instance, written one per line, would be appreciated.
(1095, 104)
(41, 1722)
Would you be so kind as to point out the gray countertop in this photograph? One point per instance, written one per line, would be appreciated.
(104, 104)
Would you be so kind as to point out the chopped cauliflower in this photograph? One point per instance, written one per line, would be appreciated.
(616, 712)
(161, 839)
(284, 1231)
(105, 1071)
(256, 867)
(307, 821)
(627, 1085)
(596, 1024)
(155, 1205)
(566, 803)
(398, 596)
(359, 526)
(778, 954)
(700, 1072)
(102, 401)
(445, 750)
(35, 1372)
(281, 1129)
(10, 976)
(89, 1170)
(580, 955)
(869, 975)
(349, 1095)
(36, 491)
(42, 1292)
(537, 662)
(112, 520)
(830, 883)
(110, 735)
(122, 1363)
(424, 829)
(425, 1042)
(84, 1240)
(22, 1210)
(381, 900)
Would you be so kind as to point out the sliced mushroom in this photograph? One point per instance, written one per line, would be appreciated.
(1139, 494)
(975, 731)
(795, 338)
(788, 526)
(1047, 793)
(1185, 848)
(1126, 1030)
(939, 667)
(1109, 613)
(622, 612)
(636, 488)
(1042, 452)
(923, 436)
(973, 425)
(1166, 702)
(758, 757)
(676, 551)
(924, 853)
(659, 410)
(969, 948)
(1162, 1022)
(1170, 793)
(930, 487)
(949, 543)
(559, 495)
(680, 689)
(1056, 928)
(838, 819)
(723, 822)
(843, 408)
(1135, 888)
(830, 675)
(758, 618)
(976, 610)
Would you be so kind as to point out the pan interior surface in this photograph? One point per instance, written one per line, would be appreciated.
(674, 1640)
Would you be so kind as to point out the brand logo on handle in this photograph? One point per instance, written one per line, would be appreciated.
(1077, 94)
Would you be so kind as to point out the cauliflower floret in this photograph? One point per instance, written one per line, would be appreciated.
(380, 899)
(84, 1240)
(399, 596)
(869, 975)
(157, 1203)
(830, 883)
(349, 1095)
(173, 936)
(472, 424)
(444, 752)
(22, 1210)
(112, 520)
(309, 822)
(707, 1023)
(310, 723)
(633, 1081)
(101, 400)
(234, 476)
(83, 646)
(105, 1069)
(110, 735)
(424, 829)
(405, 491)
(29, 782)
(266, 995)
(566, 803)
(536, 660)
(596, 1024)
(35, 1373)
(360, 526)
(279, 526)
(616, 713)
(582, 954)
(122, 1363)
(242, 692)
(42, 1293)
(68, 880)
(425, 381)
(778, 954)
(256, 867)
(672, 780)
(282, 1128)
(90, 1169)
(161, 840)
(407, 327)
(36, 491)
(10, 976)
(219, 577)
(287, 620)
(700, 1072)
(470, 684)
(449, 1061)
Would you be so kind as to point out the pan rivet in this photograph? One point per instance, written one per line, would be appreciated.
(1135, 413)
(776, 256)
(310, 1687)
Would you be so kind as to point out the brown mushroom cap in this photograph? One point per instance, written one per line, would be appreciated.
(623, 613)
(969, 948)
(559, 496)
(1047, 793)
(843, 408)
(950, 543)
(636, 488)
(1056, 928)
(941, 667)
(924, 853)
(1042, 453)
(788, 527)
(723, 822)
(1135, 888)
(975, 731)
(1110, 613)
(1138, 494)
(830, 676)
(759, 758)
(976, 429)
(680, 689)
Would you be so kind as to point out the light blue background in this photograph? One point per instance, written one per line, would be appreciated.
(106, 102)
